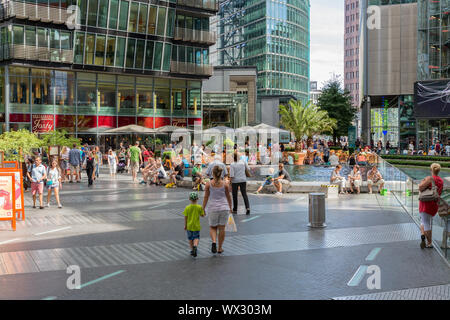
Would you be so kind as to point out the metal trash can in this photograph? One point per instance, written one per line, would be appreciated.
(317, 210)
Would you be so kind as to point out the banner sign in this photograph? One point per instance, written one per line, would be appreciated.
(19, 208)
(352, 137)
(42, 123)
(7, 198)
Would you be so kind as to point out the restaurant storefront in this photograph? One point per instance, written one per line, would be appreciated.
(86, 104)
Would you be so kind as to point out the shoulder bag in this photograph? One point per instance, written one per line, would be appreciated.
(429, 195)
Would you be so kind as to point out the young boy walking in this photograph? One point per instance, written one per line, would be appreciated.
(192, 226)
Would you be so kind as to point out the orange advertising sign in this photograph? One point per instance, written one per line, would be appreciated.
(7, 198)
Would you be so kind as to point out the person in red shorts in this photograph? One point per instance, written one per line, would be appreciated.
(429, 209)
(37, 174)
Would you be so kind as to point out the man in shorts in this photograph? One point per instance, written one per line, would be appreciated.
(75, 162)
(37, 174)
(135, 155)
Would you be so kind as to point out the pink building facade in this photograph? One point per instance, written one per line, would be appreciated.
(351, 49)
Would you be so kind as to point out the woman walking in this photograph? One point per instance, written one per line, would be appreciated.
(238, 174)
(217, 202)
(428, 209)
(54, 182)
(64, 163)
(90, 166)
(112, 163)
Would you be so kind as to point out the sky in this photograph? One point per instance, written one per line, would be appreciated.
(327, 39)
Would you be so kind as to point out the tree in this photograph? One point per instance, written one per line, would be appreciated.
(305, 120)
(12, 141)
(59, 138)
(338, 104)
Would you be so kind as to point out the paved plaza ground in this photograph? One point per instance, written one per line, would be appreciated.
(129, 242)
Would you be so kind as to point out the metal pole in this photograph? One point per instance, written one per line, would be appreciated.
(7, 90)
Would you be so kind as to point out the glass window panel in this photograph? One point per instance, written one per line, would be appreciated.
(43, 38)
(87, 97)
(120, 52)
(54, 39)
(126, 96)
(170, 22)
(89, 51)
(41, 97)
(19, 93)
(151, 29)
(65, 40)
(30, 36)
(18, 35)
(162, 92)
(190, 54)
(130, 53)
(167, 56)
(123, 17)
(143, 12)
(92, 13)
(63, 87)
(132, 24)
(107, 98)
(113, 13)
(161, 21)
(100, 50)
(82, 4)
(103, 13)
(110, 51)
(158, 56)
(79, 47)
(149, 55)
(144, 97)
(140, 49)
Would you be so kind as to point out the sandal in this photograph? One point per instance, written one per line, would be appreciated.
(220, 252)
(213, 248)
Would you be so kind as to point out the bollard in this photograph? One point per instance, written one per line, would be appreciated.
(317, 210)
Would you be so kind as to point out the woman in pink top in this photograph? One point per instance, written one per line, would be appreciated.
(429, 209)
(217, 204)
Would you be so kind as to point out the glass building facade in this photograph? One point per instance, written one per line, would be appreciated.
(91, 65)
(272, 35)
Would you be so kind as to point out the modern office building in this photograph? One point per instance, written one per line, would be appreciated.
(315, 92)
(271, 35)
(432, 108)
(388, 71)
(91, 65)
(351, 49)
(229, 97)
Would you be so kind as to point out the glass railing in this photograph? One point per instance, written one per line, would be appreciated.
(404, 190)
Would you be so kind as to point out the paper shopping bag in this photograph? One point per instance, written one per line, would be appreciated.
(231, 225)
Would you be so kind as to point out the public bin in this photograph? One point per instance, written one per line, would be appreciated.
(317, 210)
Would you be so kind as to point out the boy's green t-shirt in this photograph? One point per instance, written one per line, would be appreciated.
(134, 153)
(195, 170)
(193, 213)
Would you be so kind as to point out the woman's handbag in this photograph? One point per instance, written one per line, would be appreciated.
(247, 173)
(430, 195)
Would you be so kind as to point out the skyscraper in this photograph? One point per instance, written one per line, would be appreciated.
(126, 62)
(271, 35)
(351, 49)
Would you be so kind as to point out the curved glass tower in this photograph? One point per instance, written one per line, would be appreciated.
(272, 35)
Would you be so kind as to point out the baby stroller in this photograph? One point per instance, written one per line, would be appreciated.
(121, 166)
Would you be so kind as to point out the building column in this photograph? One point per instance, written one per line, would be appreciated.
(7, 90)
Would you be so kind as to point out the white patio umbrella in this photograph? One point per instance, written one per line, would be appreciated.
(169, 129)
(266, 128)
(132, 128)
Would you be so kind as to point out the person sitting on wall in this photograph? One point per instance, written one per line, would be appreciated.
(354, 180)
(374, 178)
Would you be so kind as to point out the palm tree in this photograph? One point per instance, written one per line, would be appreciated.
(305, 120)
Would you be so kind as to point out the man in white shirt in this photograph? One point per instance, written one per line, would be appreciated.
(334, 159)
(217, 162)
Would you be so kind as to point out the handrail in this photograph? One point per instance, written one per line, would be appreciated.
(192, 35)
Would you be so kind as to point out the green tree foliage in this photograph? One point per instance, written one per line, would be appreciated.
(60, 138)
(305, 120)
(12, 141)
(338, 104)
